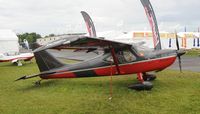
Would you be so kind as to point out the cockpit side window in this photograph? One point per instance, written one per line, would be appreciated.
(120, 57)
(123, 56)
(128, 56)
(143, 50)
(109, 59)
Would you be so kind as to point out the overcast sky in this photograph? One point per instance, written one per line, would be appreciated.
(63, 16)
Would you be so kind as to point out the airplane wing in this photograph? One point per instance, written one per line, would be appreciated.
(82, 42)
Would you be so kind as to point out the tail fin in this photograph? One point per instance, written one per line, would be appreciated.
(46, 61)
(153, 23)
(89, 24)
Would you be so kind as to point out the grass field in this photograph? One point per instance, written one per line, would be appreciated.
(173, 93)
(193, 52)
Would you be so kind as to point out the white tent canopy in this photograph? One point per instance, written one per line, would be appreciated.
(8, 41)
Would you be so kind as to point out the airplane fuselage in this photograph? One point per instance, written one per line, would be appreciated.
(103, 65)
(22, 56)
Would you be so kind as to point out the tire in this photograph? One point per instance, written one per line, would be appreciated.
(149, 77)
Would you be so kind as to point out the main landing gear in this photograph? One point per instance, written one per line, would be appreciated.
(17, 63)
(148, 77)
(144, 83)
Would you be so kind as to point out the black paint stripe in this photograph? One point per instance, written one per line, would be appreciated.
(86, 73)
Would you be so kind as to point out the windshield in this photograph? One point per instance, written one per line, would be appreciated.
(143, 50)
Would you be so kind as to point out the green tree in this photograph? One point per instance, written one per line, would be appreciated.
(30, 37)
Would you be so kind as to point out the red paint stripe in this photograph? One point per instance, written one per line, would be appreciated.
(4, 60)
(146, 66)
(59, 75)
(138, 67)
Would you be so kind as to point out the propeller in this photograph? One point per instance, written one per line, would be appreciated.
(178, 55)
(179, 52)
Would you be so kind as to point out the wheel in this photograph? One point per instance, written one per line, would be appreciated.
(149, 77)
(141, 86)
(15, 63)
(38, 83)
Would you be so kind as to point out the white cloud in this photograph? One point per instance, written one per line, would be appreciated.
(61, 16)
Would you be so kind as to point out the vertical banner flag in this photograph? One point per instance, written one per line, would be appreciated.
(89, 24)
(153, 23)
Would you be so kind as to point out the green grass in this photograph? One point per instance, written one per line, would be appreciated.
(193, 52)
(173, 93)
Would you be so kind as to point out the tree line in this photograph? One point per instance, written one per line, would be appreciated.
(31, 37)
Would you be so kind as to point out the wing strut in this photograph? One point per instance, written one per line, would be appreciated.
(115, 59)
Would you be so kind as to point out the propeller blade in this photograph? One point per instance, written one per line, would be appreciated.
(179, 61)
(177, 42)
(178, 55)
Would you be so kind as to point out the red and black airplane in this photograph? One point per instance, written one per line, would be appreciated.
(117, 58)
